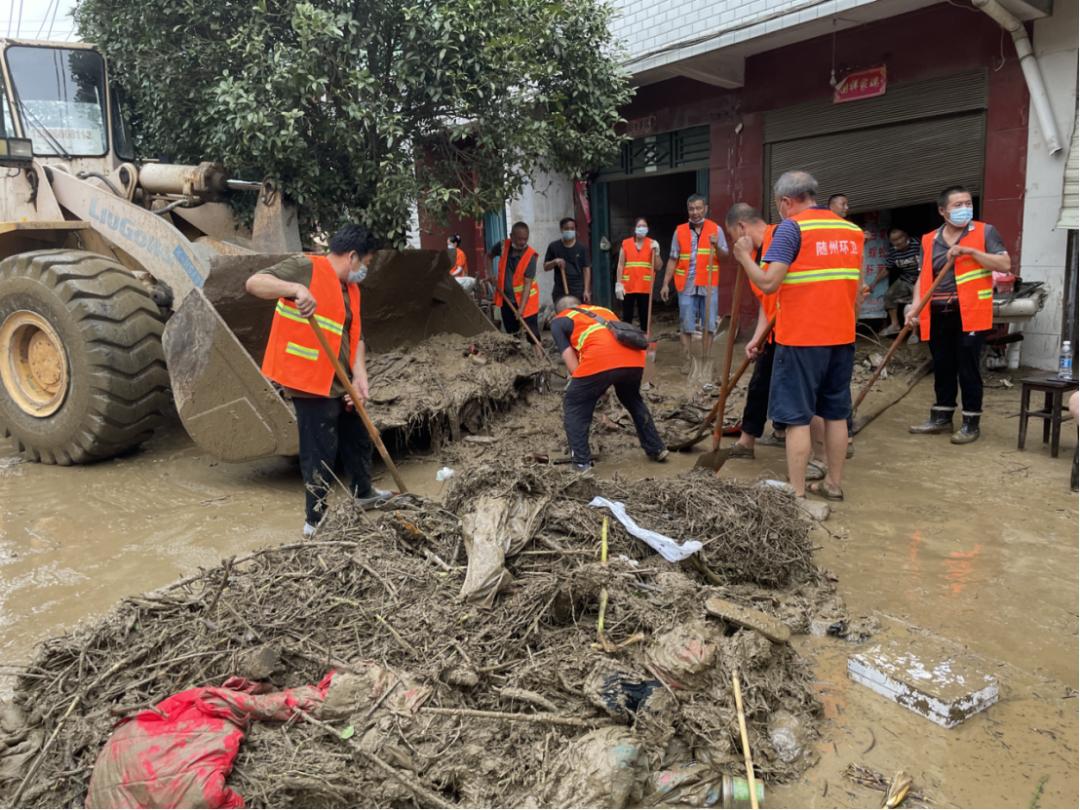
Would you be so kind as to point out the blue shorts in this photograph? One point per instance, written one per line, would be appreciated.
(810, 381)
(692, 310)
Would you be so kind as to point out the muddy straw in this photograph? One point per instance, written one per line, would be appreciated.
(358, 403)
(307, 608)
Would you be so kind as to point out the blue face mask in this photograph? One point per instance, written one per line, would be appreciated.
(569, 235)
(961, 216)
(357, 276)
(641, 231)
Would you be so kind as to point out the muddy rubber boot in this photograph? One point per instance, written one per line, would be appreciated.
(969, 430)
(940, 421)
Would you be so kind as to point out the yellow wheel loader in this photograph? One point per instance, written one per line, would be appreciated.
(122, 281)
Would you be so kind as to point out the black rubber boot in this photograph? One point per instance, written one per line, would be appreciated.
(940, 421)
(969, 430)
(1074, 481)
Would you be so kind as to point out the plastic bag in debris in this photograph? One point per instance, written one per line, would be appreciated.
(180, 753)
(681, 655)
(20, 743)
(495, 529)
(699, 785)
(605, 768)
(620, 694)
(670, 550)
(367, 684)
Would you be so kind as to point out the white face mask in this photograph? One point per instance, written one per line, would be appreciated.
(641, 231)
(451, 248)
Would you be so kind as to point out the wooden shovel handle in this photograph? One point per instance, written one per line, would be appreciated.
(902, 336)
(343, 378)
(718, 408)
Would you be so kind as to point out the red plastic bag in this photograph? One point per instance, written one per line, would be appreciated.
(181, 754)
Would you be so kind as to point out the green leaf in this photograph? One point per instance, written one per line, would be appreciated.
(347, 732)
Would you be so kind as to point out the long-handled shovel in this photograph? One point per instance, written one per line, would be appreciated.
(650, 353)
(343, 378)
(900, 338)
(715, 458)
(521, 320)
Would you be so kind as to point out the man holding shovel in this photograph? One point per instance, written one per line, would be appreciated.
(694, 264)
(328, 288)
(814, 263)
(516, 291)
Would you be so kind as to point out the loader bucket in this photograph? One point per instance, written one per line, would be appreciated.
(409, 296)
(214, 344)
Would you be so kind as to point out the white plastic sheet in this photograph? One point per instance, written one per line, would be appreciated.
(671, 550)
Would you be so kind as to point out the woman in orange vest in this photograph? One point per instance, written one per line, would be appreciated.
(597, 361)
(960, 312)
(327, 287)
(639, 260)
(457, 256)
(517, 280)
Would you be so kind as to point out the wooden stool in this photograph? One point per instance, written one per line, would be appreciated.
(1054, 390)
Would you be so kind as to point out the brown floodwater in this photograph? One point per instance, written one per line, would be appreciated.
(975, 545)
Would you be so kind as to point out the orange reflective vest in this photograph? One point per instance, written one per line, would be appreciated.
(597, 348)
(532, 304)
(461, 266)
(816, 301)
(293, 356)
(705, 252)
(637, 274)
(768, 300)
(974, 283)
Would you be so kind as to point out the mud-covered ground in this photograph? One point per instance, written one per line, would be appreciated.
(976, 545)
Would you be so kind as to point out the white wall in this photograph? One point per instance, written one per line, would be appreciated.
(643, 26)
(1042, 252)
(545, 201)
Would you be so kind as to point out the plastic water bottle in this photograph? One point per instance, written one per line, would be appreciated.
(1065, 361)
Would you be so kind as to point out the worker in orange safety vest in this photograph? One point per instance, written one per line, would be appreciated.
(327, 287)
(960, 312)
(814, 263)
(597, 361)
(639, 261)
(457, 256)
(517, 281)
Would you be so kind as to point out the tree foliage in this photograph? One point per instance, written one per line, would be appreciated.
(361, 107)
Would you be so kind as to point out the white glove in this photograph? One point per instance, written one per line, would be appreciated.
(620, 291)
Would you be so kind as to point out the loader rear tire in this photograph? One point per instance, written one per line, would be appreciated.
(82, 374)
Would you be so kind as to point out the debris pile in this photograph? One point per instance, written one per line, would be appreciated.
(448, 383)
(469, 634)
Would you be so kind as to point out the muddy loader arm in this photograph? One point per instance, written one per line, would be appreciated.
(226, 405)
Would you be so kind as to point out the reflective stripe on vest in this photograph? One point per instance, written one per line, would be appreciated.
(287, 310)
(684, 239)
(974, 283)
(293, 357)
(307, 352)
(597, 348)
(816, 301)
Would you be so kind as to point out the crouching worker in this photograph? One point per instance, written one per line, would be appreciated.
(597, 361)
(328, 288)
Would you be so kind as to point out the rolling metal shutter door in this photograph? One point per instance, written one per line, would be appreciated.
(1070, 216)
(899, 149)
(890, 166)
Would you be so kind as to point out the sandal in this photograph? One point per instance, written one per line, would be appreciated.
(815, 470)
(823, 490)
(741, 451)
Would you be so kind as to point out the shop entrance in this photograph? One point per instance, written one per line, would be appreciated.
(661, 200)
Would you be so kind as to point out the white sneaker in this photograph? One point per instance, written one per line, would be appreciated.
(309, 530)
(375, 496)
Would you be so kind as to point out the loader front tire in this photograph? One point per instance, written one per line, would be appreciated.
(82, 374)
